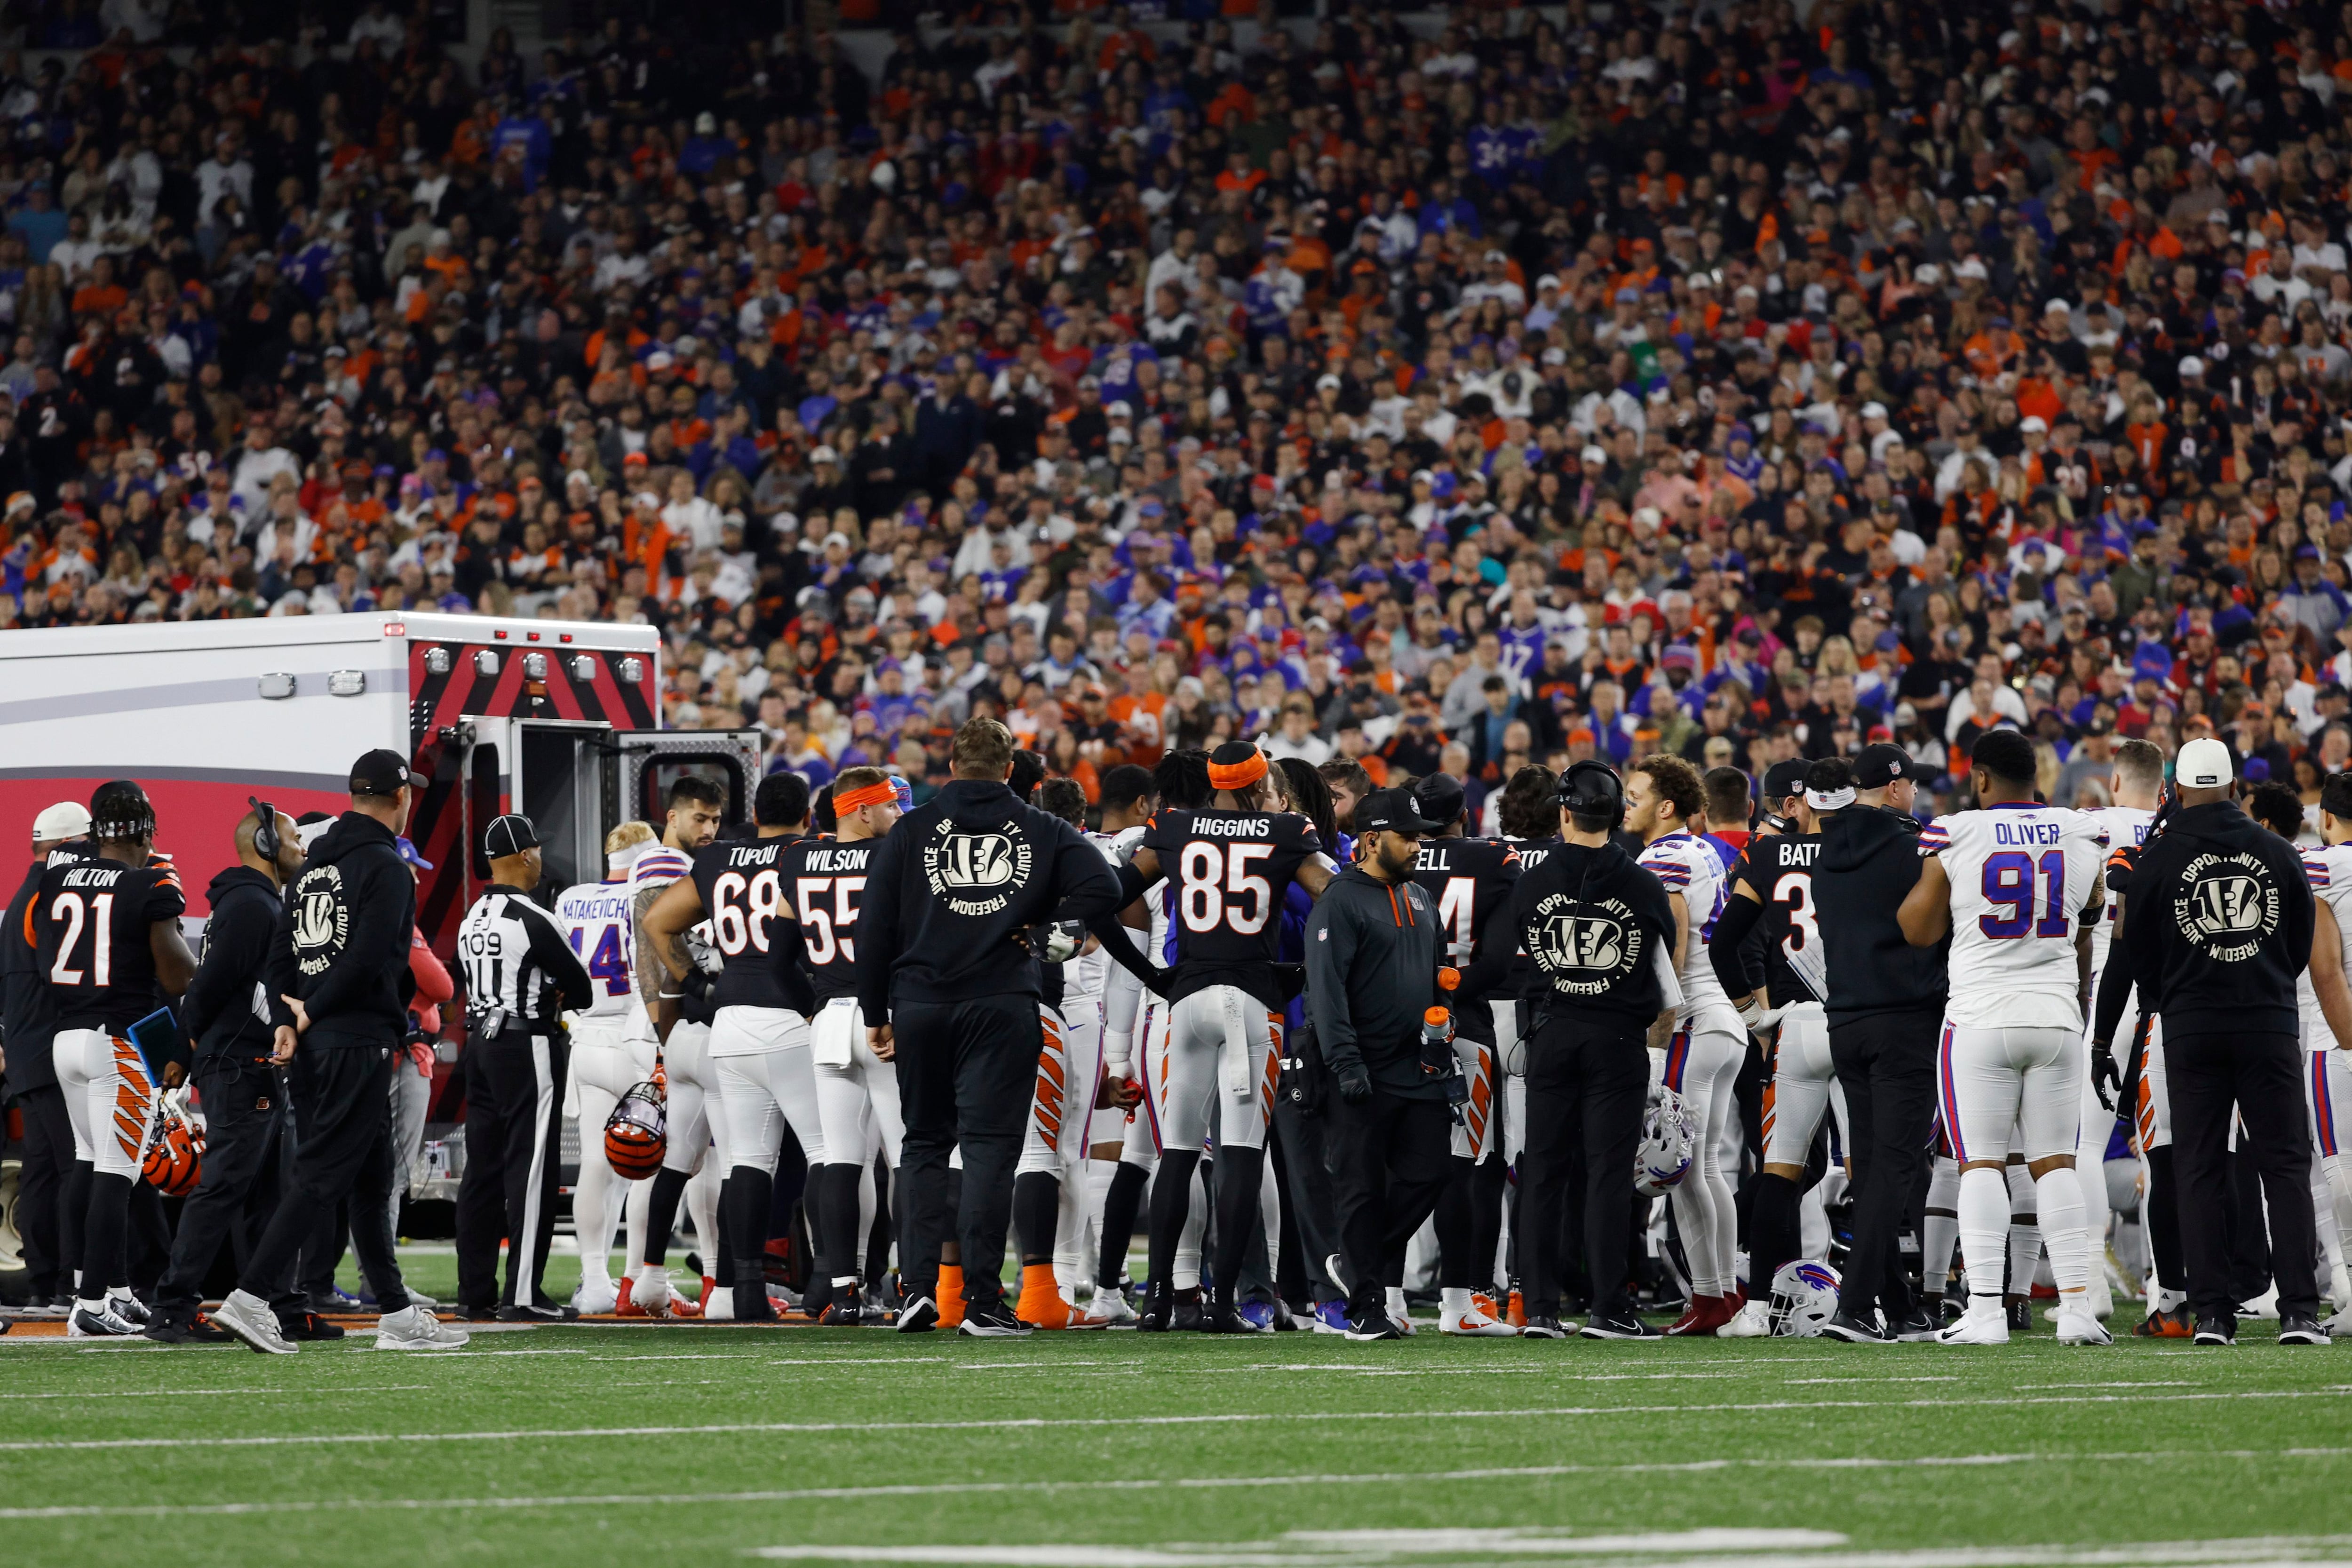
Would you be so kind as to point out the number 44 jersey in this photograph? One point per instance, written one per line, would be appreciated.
(1229, 872)
(2025, 883)
(596, 919)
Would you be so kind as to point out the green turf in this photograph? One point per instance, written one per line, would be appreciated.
(1334, 1437)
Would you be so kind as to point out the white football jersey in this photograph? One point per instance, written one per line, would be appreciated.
(596, 919)
(2329, 872)
(1083, 975)
(2127, 828)
(658, 866)
(1688, 865)
(2022, 875)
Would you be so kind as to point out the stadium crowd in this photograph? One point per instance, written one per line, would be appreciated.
(1446, 392)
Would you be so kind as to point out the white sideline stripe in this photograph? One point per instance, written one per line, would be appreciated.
(217, 1392)
(1138, 1484)
(1352, 1546)
(1038, 1423)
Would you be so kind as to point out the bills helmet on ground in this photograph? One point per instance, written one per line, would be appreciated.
(636, 1135)
(1665, 1152)
(1804, 1297)
(174, 1157)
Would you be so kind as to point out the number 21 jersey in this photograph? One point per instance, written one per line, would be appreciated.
(2023, 877)
(94, 952)
(1229, 872)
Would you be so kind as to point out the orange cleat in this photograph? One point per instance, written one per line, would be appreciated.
(2172, 1325)
(626, 1307)
(1040, 1305)
(1518, 1315)
(951, 1297)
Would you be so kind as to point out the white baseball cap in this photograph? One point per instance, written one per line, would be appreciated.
(67, 819)
(2203, 763)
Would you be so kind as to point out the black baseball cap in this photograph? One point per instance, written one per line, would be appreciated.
(1883, 763)
(508, 835)
(1437, 799)
(1391, 811)
(1782, 780)
(382, 772)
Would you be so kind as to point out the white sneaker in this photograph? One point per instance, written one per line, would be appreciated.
(2102, 1298)
(1110, 1306)
(650, 1293)
(1459, 1314)
(249, 1317)
(2079, 1326)
(98, 1320)
(1752, 1322)
(1980, 1326)
(130, 1308)
(1398, 1313)
(415, 1329)
(2339, 1288)
(596, 1297)
(2262, 1305)
(2340, 1327)
(719, 1304)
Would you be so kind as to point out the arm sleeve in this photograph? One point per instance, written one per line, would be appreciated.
(1330, 953)
(237, 948)
(2114, 990)
(1669, 984)
(877, 930)
(1732, 928)
(553, 954)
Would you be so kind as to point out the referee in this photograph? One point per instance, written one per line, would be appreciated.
(520, 973)
(2218, 926)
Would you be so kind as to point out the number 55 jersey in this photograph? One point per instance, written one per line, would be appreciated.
(2024, 885)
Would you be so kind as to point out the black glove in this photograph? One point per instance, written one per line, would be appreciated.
(2106, 1078)
(1355, 1083)
(698, 990)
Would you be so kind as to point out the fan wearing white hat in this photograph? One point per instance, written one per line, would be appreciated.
(2218, 926)
(61, 832)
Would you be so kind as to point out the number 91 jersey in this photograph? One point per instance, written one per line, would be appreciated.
(1229, 872)
(2024, 885)
(742, 884)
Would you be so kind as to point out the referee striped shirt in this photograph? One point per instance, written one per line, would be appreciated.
(517, 960)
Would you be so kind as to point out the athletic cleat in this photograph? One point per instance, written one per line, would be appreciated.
(1517, 1314)
(1704, 1316)
(919, 1315)
(1844, 1327)
(2340, 1327)
(309, 1326)
(624, 1300)
(1484, 1301)
(1476, 1324)
(951, 1297)
(539, 1312)
(991, 1321)
(199, 1329)
(130, 1309)
(596, 1297)
(845, 1310)
(1541, 1327)
(1373, 1326)
(2019, 1313)
(1986, 1325)
(1159, 1314)
(2262, 1305)
(1110, 1308)
(337, 1299)
(2080, 1326)
(2222, 1331)
(415, 1329)
(1618, 1326)
(248, 1317)
(1191, 1316)
(1916, 1328)
(99, 1321)
(2162, 1325)
(477, 1314)
(1040, 1305)
(1257, 1317)
(1753, 1320)
(2300, 1328)
(1331, 1317)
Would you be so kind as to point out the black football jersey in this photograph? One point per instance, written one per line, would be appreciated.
(1469, 880)
(742, 888)
(91, 919)
(1780, 869)
(1228, 872)
(825, 882)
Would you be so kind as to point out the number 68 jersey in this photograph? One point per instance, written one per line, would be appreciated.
(2025, 883)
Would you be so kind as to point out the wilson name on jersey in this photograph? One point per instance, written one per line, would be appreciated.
(1469, 880)
(742, 888)
(825, 882)
(1781, 868)
(2024, 878)
(91, 917)
(1689, 865)
(1229, 872)
(596, 919)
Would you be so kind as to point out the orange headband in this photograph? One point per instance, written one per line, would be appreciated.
(858, 799)
(1238, 775)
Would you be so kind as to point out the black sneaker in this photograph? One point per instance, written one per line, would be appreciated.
(1191, 1317)
(472, 1314)
(1916, 1328)
(1617, 1326)
(1542, 1326)
(1223, 1316)
(2216, 1331)
(1374, 1325)
(919, 1315)
(1844, 1326)
(993, 1321)
(541, 1310)
(2020, 1311)
(845, 1310)
(166, 1330)
(308, 1326)
(2301, 1329)
(1159, 1311)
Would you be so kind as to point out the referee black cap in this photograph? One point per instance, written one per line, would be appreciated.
(508, 835)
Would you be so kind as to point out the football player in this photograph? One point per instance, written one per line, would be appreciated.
(1772, 892)
(758, 1046)
(691, 822)
(1229, 867)
(857, 1088)
(1710, 1043)
(1469, 880)
(110, 948)
(2325, 1006)
(595, 920)
(2016, 885)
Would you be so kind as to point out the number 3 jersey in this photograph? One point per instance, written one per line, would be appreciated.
(2023, 877)
(596, 919)
(91, 926)
(825, 882)
(1229, 872)
(742, 884)
(1780, 868)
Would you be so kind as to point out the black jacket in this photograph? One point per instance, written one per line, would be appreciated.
(343, 943)
(952, 890)
(1372, 951)
(1594, 922)
(27, 1016)
(1869, 861)
(226, 1007)
(2217, 925)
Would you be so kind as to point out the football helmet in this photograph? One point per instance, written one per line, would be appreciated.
(1804, 1297)
(1665, 1152)
(636, 1135)
(175, 1155)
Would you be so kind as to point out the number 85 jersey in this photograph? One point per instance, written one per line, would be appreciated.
(1229, 872)
(2025, 884)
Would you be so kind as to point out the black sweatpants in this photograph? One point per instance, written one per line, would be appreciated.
(1886, 1065)
(52, 1238)
(1310, 1209)
(2258, 1075)
(966, 1071)
(514, 1096)
(1586, 1088)
(341, 1106)
(1388, 1157)
(245, 1115)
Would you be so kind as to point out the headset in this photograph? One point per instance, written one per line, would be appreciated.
(1592, 788)
(265, 832)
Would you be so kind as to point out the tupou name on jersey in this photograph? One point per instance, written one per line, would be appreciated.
(2026, 830)
(1232, 826)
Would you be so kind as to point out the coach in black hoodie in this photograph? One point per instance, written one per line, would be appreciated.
(2218, 928)
(1885, 1009)
(943, 954)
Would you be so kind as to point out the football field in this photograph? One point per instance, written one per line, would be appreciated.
(615, 1445)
